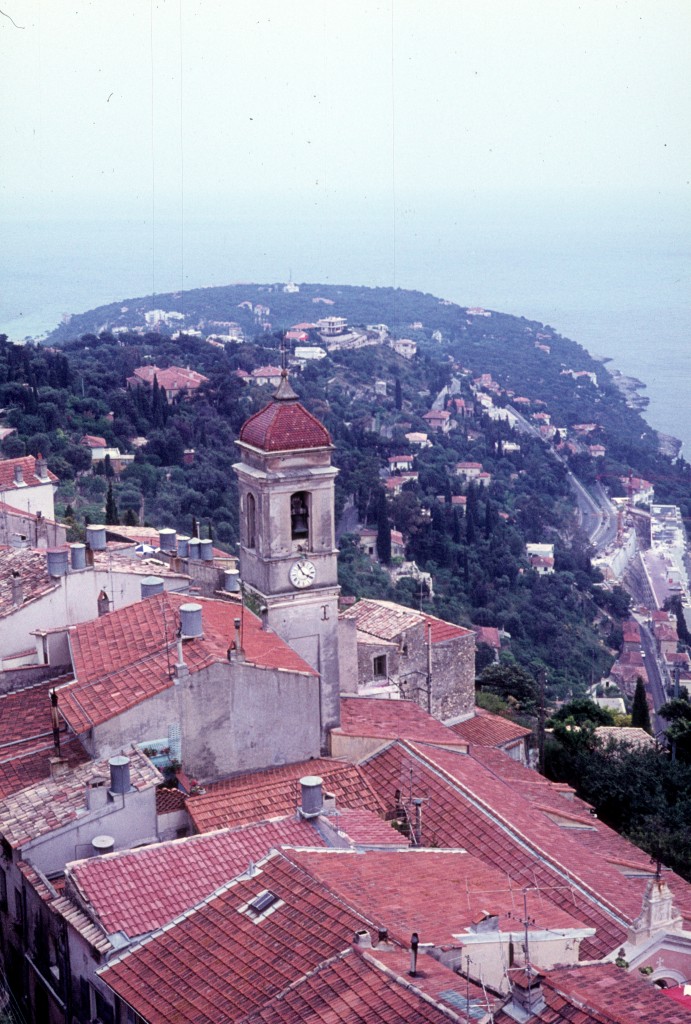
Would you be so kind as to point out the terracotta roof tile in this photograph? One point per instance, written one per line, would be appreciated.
(138, 891)
(438, 893)
(52, 803)
(232, 965)
(601, 994)
(470, 805)
(352, 989)
(489, 730)
(123, 658)
(391, 719)
(26, 739)
(283, 425)
(27, 464)
(28, 567)
(388, 620)
(276, 791)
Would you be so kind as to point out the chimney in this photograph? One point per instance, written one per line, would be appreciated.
(58, 767)
(414, 943)
(527, 998)
(362, 938)
(167, 540)
(311, 802)
(231, 581)
(119, 774)
(78, 556)
(17, 590)
(101, 845)
(417, 827)
(57, 562)
(264, 612)
(235, 650)
(96, 537)
(41, 467)
(19, 475)
(96, 793)
(191, 621)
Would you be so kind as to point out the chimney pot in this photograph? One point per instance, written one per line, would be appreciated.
(311, 801)
(362, 938)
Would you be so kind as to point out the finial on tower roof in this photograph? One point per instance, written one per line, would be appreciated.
(284, 392)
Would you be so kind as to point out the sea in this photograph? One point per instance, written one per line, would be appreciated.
(612, 274)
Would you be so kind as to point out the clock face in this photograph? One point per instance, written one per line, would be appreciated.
(302, 574)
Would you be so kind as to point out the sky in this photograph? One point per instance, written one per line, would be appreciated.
(186, 107)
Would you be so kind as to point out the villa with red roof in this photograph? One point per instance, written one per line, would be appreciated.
(175, 380)
(27, 485)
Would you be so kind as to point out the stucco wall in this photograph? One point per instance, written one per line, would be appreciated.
(232, 717)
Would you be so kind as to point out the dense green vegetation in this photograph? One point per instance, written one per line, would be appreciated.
(565, 622)
(644, 794)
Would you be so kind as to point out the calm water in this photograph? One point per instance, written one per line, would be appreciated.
(618, 283)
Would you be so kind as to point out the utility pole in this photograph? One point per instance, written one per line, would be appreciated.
(541, 721)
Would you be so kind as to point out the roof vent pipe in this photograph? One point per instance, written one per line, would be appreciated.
(206, 550)
(151, 585)
(190, 621)
(311, 802)
(96, 537)
(56, 559)
(102, 845)
(194, 546)
(183, 547)
(78, 556)
(414, 943)
(167, 539)
(119, 774)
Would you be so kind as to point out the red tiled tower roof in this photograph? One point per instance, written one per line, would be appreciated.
(284, 424)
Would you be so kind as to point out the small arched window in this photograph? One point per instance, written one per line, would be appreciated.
(299, 516)
(251, 512)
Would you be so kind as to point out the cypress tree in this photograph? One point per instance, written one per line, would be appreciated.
(399, 395)
(383, 530)
(112, 518)
(640, 713)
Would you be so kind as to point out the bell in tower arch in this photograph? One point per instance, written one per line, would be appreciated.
(299, 516)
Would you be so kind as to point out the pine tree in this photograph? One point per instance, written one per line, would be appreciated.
(112, 518)
(640, 713)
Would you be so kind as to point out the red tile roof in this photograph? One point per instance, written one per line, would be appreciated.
(489, 730)
(420, 890)
(387, 620)
(174, 378)
(123, 658)
(232, 963)
(138, 891)
(601, 994)
(284, 425)
(390, 719)
(54, 803)
(29, 475)
(488, 635)
(276, 791)
(93, 441)
(352, 989)
(26, 739)
(525, 830)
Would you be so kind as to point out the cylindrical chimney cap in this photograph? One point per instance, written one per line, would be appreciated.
(56, 559)
(231, 580)
(78, 556)
(191, 620)
(311, 802)
(183, 546)
(102, 844)
(194, 548)
(119, 774)
(206, 549)
(167, 539)
(96, 537)
(151, 585)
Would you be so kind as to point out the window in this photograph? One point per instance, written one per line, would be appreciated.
(104, 1011)
(299, 516)
(251, 520)
(379, 666)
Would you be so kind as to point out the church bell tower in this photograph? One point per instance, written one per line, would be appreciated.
(287, 535)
